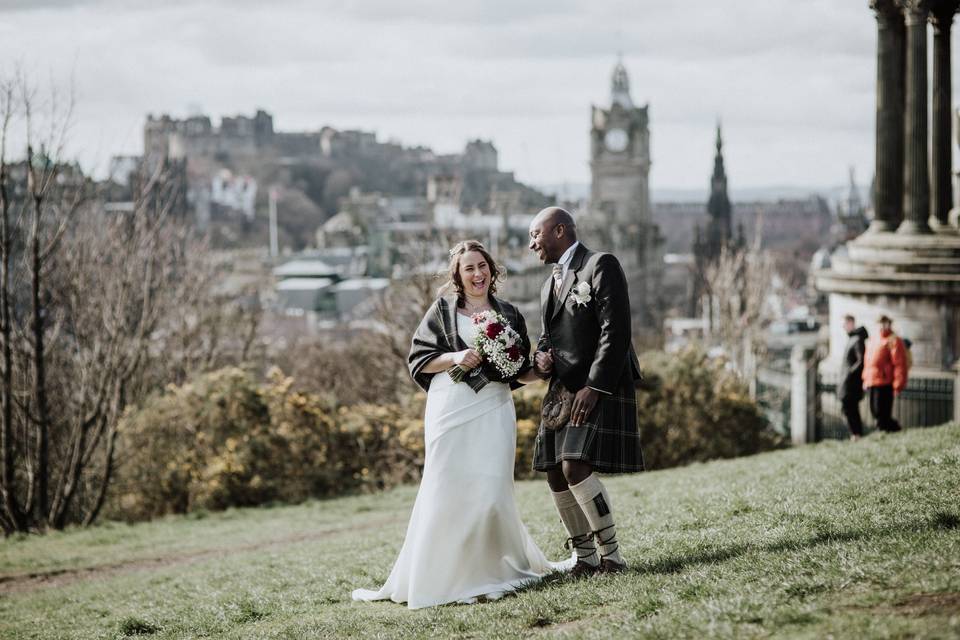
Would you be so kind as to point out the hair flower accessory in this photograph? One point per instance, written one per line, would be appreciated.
(581, 294)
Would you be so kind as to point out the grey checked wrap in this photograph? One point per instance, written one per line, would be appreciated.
(437, 334)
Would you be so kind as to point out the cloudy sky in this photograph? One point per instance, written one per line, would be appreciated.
(792, 80)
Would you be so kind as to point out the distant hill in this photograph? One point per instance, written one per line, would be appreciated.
(581, 190)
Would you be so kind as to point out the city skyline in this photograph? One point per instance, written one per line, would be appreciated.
(793, 85)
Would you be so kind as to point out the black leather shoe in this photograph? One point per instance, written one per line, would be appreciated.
(583, 569)
(609, 566)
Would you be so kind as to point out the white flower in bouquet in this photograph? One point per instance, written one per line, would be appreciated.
(497, 342)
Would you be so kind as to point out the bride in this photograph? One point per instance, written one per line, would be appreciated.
(465, 538)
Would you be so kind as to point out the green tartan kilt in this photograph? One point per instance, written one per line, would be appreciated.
(609, 439)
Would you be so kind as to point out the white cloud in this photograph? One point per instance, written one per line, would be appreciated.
(792, 81)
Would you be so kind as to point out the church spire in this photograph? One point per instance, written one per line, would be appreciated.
(620, 85)
(718, 171)
(719, 226)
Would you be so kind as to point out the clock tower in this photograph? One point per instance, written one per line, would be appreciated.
(620, 156)
(619, 217)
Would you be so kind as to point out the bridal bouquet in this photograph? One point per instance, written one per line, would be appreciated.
(497, 342)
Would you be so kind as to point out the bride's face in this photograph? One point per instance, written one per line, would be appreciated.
(474, 274)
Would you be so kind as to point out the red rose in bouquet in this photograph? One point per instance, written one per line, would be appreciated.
(498, 344)
(494, 329)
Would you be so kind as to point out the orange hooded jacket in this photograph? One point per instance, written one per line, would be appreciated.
(885, 361)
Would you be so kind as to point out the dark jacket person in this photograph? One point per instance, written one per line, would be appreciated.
(850, 389)
(587, 354)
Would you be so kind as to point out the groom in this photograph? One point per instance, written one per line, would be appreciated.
(586, 346)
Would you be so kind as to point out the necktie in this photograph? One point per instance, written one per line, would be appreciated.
(557, 278)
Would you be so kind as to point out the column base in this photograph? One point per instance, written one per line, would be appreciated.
(914, 228)
(943, 228)
(880, 226)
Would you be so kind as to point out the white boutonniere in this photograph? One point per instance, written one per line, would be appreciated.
(581, 294)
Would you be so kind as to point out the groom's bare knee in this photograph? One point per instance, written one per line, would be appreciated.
(556, 480)
(576, 471)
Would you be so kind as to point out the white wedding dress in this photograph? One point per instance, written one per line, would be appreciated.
(465, 538)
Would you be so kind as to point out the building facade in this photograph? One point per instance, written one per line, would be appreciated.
(618, 218)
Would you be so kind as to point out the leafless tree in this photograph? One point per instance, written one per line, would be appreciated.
(11, 514)
(409, 296)
(118, 305)
(736, 299)
(44, 195)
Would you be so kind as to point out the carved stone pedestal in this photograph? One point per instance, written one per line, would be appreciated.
(914, 279)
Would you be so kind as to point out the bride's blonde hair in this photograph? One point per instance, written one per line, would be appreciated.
(452, 272)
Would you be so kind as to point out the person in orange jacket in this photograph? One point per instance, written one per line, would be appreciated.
(884, 373)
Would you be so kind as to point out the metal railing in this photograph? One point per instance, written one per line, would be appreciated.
(928, 400)
(773, 397)
(931, 398)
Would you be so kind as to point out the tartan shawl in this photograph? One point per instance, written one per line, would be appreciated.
(437, 334)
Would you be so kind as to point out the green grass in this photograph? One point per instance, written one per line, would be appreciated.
(843, 540)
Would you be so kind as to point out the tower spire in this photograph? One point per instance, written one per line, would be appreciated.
(719, 226)
(620, 85)
(718, 170)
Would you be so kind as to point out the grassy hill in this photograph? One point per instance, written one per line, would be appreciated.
(839, 539)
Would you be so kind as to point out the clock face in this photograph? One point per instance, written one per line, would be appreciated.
(616, 140)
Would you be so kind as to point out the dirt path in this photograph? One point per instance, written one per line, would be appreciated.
(26, 582)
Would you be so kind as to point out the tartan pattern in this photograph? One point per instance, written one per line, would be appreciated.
(609, 439)
(437, 334)
(446, 316)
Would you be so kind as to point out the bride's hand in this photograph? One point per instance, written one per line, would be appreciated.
(543, 363)
(468, 358)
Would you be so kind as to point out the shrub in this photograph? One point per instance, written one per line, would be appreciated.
(224, 440)
(388, 441)
(695, 408)
(205, 444)
(527, 401)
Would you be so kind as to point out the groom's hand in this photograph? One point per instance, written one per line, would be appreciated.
(583, 404)
(543, 364)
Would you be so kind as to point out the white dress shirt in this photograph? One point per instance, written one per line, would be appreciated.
(567, 258)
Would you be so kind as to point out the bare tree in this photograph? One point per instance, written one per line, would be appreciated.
(400, 310)
(736, 299)
(30, 188)
(11, 514)
(118, 305)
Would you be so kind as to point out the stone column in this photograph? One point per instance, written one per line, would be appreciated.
(956, 393)
(803, 394)
(916, 197)
(941, 17)
(955, 212)
(888, 190)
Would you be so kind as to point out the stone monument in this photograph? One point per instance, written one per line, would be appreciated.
(907, 263)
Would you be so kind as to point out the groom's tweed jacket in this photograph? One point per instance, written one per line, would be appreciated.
(437, 334)
(592, 347)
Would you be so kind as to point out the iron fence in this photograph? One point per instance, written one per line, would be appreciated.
(773, 397)
(927, 401)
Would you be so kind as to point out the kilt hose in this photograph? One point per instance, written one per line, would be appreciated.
(609, 439)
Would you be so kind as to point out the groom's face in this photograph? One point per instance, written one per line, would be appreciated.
(545, 240)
